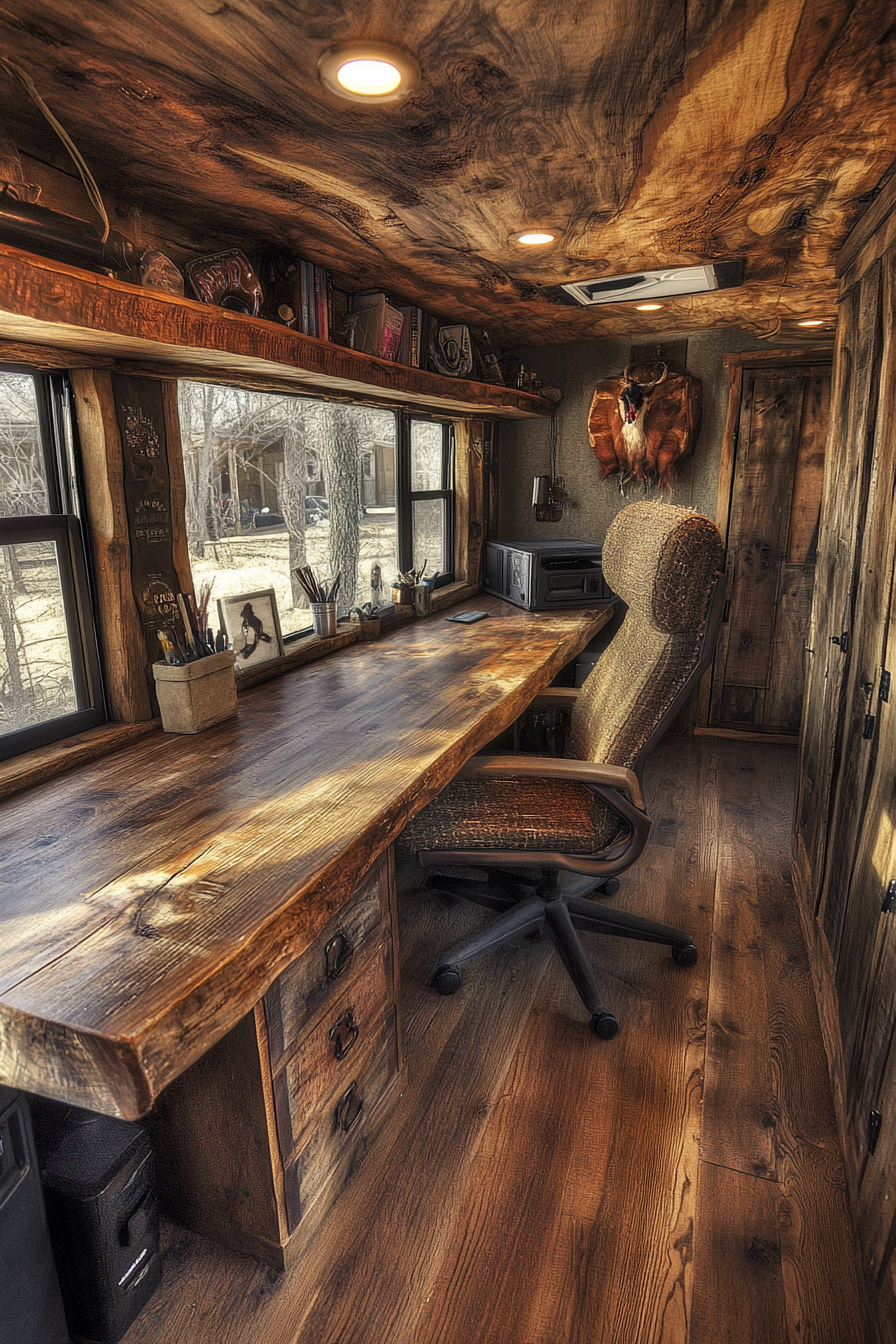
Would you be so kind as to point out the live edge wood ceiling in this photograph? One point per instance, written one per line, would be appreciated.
(650, 134)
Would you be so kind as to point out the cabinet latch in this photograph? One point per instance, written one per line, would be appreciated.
(889, 901)
(875, 1120)
(883, 690)
(842, 640)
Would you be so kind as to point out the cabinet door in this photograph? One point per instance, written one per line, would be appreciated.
(758, 671)
(844, 506)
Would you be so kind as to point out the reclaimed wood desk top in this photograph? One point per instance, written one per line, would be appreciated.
(150, 898)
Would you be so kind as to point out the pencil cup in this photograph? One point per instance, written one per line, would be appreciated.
(323, 618)
(423, 599)
(195, 696)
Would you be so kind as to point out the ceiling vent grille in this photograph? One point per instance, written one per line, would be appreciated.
(647, 285)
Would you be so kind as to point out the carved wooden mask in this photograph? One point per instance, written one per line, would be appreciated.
(643, 423)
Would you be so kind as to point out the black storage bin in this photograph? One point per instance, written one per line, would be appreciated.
(30, 1305)
(99, 1185)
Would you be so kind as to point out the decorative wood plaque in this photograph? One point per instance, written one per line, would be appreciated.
(147, 488)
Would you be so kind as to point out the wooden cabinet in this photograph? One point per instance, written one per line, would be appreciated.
(258, 1138)
(845, 822)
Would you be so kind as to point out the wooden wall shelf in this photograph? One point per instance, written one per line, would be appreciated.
(47, 303)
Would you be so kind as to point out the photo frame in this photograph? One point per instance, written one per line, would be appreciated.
(252, 626)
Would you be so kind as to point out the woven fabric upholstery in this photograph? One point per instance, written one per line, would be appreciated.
(662, 561)
(514, 814)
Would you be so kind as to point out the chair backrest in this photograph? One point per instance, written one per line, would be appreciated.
(664, 562)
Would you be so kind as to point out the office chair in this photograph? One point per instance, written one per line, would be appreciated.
(550, 832)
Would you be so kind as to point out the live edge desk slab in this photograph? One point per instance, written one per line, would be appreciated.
(153, 898)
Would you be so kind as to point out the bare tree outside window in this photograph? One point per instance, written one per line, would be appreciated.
(23, 485)
(40, 641)
(274, 482)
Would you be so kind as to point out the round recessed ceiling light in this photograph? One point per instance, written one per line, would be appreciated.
(368, 72)
(812, 322)
(533, 237)
(370, 79)
(648, 307)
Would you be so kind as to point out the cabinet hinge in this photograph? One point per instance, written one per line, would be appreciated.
(868, 727)
(875, 1120)
(889, 901)
(842, 639)
(883, 690)
(726, 611)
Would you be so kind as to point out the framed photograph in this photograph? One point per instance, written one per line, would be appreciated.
(252, 626)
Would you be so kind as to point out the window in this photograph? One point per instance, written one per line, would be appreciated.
(274, 482)
(426, 473)
(49, 671)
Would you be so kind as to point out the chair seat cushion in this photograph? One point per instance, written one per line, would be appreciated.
(528, 814)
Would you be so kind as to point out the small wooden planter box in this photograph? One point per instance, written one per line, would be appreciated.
(195, 696)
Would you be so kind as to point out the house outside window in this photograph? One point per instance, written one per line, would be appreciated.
(308, 483)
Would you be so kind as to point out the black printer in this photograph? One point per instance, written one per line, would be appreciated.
(546, 575)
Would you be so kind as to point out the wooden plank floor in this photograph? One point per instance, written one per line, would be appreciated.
(681, 1184)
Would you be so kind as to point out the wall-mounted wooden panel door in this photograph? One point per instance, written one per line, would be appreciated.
(780, 421)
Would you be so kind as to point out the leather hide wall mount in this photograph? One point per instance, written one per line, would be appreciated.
(643, 423)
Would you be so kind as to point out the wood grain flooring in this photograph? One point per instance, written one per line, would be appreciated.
(681, 1184)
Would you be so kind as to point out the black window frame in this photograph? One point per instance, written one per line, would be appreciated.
(62, 525)
(405, 497)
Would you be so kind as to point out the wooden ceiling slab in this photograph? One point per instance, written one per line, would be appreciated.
(649, 134)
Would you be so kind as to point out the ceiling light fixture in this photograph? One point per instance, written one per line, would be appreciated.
(812, 322)
(648, 307)
(534, 237)
(368, 72)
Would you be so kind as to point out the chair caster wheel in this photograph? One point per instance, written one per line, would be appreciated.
(446, 980)
(604, 1025)
(685, 956)
(611, 886)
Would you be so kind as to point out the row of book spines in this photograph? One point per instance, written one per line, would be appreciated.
(322, 308)
(315, 300)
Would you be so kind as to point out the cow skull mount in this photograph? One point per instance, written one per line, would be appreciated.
(642, 424)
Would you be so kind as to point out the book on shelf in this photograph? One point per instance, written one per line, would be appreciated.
(321, 321)
(340, 307)
(377, 325)
(409, 348)
(307, 322)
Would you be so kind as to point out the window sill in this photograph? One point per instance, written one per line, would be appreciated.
(22, 772)
(33, 767)
(309, 648)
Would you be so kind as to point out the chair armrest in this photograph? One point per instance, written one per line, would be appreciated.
(552, 767)
(562, 696)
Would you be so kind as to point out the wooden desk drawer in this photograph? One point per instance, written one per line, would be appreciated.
(341, 1042)
(343, 1130)
(340, 950)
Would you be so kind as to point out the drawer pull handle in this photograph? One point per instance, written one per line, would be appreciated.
(338, 954)
(344, 1033)
(349, 1108)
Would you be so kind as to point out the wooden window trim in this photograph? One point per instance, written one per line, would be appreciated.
(120, 631)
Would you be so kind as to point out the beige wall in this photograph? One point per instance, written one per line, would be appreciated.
(524, 445)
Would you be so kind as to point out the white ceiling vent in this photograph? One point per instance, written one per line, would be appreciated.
(645, 285)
